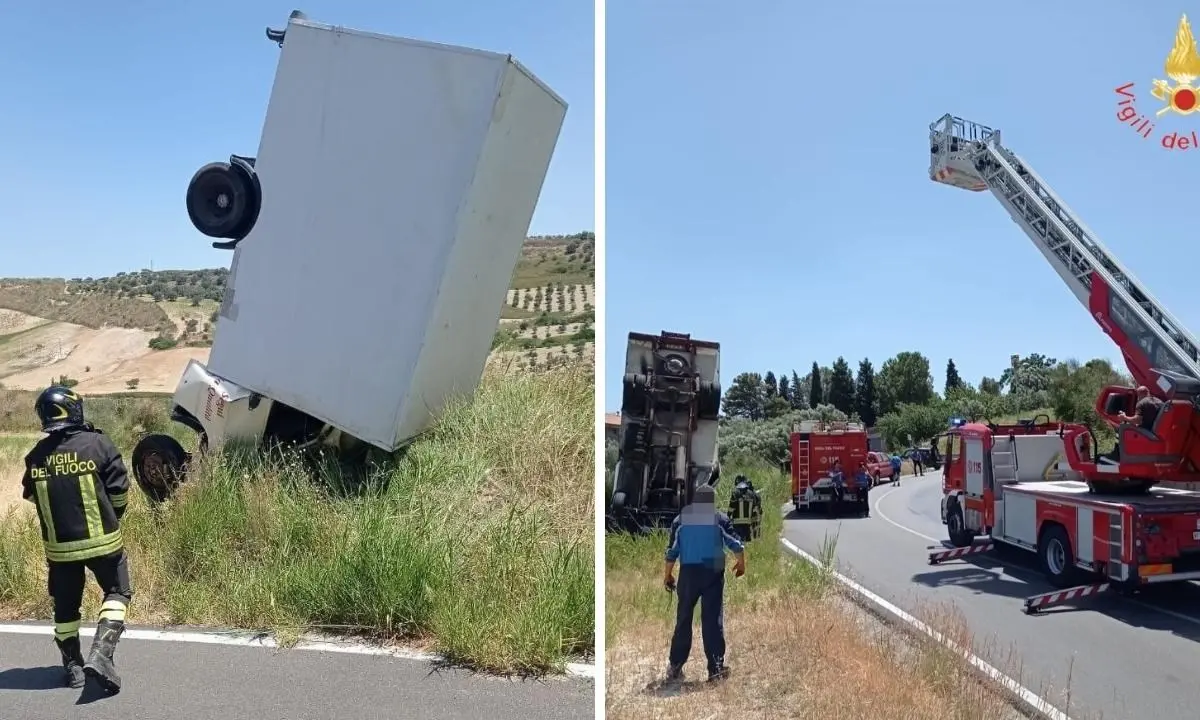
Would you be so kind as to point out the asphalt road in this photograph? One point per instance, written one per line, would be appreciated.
(220, 682)
(1125, 658)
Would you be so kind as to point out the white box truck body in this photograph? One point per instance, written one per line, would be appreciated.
(395, 180)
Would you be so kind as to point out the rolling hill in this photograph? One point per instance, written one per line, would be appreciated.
(137, 330)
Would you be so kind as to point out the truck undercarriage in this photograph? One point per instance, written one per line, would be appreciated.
(671, 398)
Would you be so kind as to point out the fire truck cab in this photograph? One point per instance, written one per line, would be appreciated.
(1014, 485)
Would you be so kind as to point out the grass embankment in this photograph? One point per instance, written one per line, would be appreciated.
(797, 647)
(478, 542)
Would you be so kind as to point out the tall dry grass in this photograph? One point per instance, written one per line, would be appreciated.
(797, 647)
(478, 541)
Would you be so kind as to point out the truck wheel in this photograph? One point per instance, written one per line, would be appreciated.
(956, 526)
(633, 395)
(223, 200)
(1056, 557)
(159, 466)
(709, 401)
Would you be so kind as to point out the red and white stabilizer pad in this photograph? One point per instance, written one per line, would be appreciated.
(944, 554)
(1058, 597)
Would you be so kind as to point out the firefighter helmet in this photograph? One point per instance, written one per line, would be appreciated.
(59, 408)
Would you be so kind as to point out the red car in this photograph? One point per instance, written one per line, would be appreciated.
(879, 465)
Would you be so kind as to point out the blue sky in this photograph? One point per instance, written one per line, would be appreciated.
(774, 161)
(107, 114)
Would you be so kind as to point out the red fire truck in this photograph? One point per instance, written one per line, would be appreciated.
(816, 446)
(1096, 521)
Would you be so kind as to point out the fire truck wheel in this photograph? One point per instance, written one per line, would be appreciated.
(1056, 556)
(960, 536)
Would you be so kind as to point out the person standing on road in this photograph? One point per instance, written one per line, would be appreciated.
(863, 491)
(77, 480)
(698, 539)
(918, 466)
(838, 480)
(897, 463)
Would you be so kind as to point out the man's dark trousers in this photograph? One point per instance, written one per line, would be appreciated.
(702, 584)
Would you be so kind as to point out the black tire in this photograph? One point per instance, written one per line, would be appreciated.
(159, 466)
(223, 201)
(1056, 557)
(633, 396)
(708, 401)
(632, 439)
(956, 526)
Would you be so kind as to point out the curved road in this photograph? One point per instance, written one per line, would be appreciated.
(201, 681)
(1125, 658)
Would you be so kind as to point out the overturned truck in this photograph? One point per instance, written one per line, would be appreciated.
(374, 236)
(671, 398)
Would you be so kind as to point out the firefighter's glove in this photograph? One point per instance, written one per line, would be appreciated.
(739, 567)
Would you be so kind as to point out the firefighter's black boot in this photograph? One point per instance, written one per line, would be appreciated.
(99, 664)
(72, 658)
(674, 673)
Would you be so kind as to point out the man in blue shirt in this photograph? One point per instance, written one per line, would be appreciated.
(698, 539)
(863, 488)
(896, 463)
(838, 479)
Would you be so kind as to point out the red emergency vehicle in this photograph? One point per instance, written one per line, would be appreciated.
(1123, 519)
(816, 446)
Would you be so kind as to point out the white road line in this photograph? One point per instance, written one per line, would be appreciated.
(1027, 696)
(1023, 570)
(264, 640)
(893, 523)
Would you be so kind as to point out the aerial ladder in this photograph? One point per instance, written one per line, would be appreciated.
(1158, 351)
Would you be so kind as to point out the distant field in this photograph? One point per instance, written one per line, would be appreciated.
(138, 330)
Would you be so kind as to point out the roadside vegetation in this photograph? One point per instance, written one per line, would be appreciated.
(477, 542)
(901, 403)
(797, 647)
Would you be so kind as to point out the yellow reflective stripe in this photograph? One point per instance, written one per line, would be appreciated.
(91, 506)
(113, 610)
(62, 631)
(43, 504)
(84, 549)
(118, 500)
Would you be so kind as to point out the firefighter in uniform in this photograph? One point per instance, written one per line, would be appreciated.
(77, 480)
(745, 509)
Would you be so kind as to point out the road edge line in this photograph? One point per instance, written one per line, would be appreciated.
(1027, 697)
(236, 638)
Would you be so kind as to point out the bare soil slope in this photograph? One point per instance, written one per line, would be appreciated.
(33, 351)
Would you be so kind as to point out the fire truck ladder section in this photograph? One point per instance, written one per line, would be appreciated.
(1034, 603)
(970, 156)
